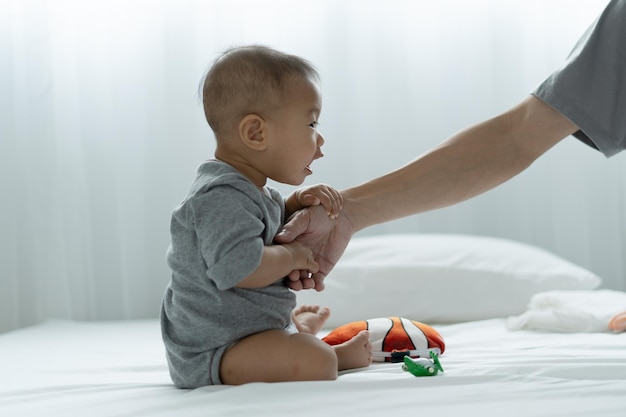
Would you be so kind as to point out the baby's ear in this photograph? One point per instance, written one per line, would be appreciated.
(252, 133)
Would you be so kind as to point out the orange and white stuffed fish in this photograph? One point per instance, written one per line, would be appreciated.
(392, 338)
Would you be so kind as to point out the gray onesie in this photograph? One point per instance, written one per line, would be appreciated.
(217, 238)
(590, 88)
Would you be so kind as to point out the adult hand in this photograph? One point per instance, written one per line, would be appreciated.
(326, 237)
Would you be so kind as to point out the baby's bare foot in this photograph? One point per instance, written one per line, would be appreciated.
(355, 353)
(309, 318)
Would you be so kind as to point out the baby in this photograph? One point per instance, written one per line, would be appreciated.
(227, 312)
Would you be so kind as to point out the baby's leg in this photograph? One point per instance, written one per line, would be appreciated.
(355, 353)
(277, 355)
(309, 318)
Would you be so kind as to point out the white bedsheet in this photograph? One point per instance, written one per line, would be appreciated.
(68, 369)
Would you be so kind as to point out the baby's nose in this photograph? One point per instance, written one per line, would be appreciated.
(320, 140)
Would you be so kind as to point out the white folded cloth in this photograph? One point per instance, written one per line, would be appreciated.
(573, 311)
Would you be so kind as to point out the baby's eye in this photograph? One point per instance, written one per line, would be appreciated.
(314, 125)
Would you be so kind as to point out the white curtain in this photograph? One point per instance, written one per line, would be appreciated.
(101, 130)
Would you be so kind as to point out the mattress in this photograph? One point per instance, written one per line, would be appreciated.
(71, 368)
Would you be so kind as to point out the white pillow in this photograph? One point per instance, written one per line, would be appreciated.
(441, 278)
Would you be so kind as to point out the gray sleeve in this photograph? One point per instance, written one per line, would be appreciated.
(229, 227)
(590, 88)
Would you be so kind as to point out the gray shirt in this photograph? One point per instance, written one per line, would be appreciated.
(590, 88)
(217, 238)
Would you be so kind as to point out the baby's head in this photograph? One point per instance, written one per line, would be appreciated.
(249, 80)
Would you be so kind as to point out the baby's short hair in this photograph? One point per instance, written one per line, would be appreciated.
(248, 79)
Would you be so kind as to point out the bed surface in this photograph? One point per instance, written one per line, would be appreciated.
(65, 368)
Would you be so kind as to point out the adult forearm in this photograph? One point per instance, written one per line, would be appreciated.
(459, 169)
(469, 163)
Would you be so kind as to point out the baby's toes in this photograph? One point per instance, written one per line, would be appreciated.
(324, 312)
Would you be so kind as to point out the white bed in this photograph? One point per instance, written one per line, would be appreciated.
(95, 369)
(73, 368)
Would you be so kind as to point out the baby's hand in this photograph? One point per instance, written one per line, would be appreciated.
(319, 194)
(302, 258)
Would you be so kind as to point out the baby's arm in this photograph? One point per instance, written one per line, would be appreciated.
(319, 194)
(277, 262)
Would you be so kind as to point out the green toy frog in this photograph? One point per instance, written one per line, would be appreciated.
(423, 366)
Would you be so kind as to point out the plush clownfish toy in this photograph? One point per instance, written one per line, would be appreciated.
(392, 338)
